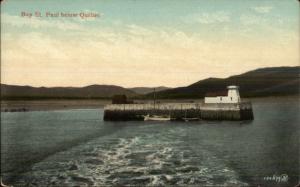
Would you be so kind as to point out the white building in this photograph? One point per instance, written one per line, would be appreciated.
(233, 96)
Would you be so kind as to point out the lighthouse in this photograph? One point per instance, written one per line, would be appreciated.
(233, 96)
(225, 105)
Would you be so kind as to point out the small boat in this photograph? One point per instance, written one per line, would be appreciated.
(156, 118)
(186, 119)
(149, 117)
(190, 119)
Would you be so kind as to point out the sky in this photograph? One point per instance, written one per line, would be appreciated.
(144, 42)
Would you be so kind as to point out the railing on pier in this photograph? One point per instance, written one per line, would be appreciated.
(180, 106)
(158, 106)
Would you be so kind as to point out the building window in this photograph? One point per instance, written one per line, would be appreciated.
(231, 98)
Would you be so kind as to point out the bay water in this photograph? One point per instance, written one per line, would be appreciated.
(78, 148)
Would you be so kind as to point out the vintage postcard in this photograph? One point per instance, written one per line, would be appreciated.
(150, 93)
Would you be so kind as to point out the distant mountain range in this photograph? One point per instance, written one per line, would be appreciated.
(146, 90)
(88, 92)
(276, 81)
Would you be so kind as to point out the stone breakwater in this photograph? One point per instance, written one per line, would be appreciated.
(179, 111)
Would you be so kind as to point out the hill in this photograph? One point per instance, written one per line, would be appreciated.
(275, 81)
(88, 92)
(146, 90)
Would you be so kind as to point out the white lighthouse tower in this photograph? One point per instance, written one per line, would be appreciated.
(233, 96)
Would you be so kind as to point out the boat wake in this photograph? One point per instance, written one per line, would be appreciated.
(150, 160)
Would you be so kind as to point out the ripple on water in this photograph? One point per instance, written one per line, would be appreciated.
(149, 160)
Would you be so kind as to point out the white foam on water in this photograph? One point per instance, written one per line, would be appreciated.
(156, 181)
(152, 160)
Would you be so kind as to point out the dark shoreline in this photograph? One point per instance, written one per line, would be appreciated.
(46, 105)
(67, 104)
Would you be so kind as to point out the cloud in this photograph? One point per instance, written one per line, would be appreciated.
(138, 30)
(137, 56)
(263, 9)
(209, 18)
(250, 19)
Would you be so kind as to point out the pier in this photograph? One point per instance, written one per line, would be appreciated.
(180, 111)
(225, 107)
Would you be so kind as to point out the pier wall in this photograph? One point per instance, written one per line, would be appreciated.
(179, 111)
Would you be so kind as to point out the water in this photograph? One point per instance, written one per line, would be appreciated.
(77, 148)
